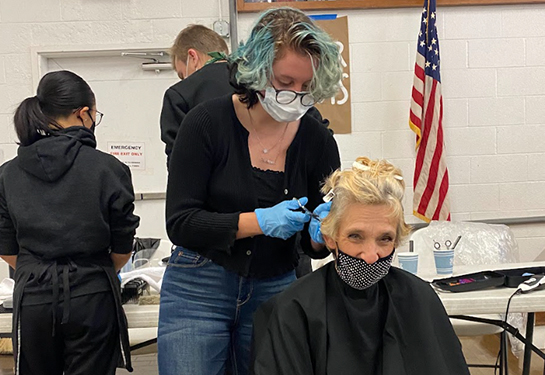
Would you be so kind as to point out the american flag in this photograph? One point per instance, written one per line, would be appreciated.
(431, 200)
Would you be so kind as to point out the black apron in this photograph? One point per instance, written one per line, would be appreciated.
(32, 267)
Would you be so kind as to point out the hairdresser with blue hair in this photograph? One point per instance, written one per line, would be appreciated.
(238, 163)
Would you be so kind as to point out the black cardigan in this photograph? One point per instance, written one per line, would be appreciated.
(210, 183)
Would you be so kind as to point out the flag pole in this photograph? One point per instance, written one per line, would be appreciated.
(427, 21)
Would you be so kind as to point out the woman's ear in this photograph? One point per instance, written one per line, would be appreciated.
(82, 112)
(83, 115)
(330, 243)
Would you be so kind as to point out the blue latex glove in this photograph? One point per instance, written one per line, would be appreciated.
(314, 228)
(281, 221)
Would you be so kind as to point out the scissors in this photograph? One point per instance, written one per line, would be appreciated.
(437, 245)
(307, 211)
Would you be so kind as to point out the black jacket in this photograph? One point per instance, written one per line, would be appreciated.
(60, 197)
(209, 82)
(210, 183)
(321, 326)
(63, 207)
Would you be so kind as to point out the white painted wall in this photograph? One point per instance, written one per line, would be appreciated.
(493, 70)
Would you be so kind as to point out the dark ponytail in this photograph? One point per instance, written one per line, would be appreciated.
(59, 95)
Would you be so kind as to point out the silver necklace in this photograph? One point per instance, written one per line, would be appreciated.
(264, 149)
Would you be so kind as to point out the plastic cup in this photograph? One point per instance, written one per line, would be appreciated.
(408, 261)
(444, 261)
(139, 263)
(141, 259)
(127, 267)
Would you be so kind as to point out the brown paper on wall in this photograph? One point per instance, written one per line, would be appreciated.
(339, 109)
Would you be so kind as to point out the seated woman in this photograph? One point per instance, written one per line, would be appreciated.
(357, 315)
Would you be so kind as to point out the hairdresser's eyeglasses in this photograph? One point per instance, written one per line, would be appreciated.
(99, 116)
(288, 96)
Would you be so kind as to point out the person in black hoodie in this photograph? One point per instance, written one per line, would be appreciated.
(66, 226)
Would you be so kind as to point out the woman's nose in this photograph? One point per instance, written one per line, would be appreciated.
(370, 254)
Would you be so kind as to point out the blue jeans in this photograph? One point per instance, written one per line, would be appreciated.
(206, 315)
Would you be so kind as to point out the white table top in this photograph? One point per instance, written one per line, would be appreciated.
(491, 300)
(486, 301)
(142, 316)
(138, 316)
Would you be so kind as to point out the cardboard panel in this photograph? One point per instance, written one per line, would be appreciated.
(338, 110)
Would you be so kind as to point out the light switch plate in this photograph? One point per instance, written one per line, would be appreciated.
(222, 28)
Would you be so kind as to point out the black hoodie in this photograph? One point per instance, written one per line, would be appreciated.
(64, 206)
(63, 201)
(60, 197)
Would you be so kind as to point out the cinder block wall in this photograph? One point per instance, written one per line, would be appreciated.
(493, 72)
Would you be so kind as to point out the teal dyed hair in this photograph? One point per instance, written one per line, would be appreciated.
(279, 30)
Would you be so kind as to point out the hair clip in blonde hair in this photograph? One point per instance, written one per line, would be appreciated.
(363, 167)
(329, 196)
(360, 166)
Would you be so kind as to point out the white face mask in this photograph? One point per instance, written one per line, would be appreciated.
(187, 67)
(282, 112)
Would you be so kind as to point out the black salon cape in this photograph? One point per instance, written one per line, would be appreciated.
(322, 326)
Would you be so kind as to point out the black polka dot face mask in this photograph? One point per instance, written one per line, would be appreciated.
(358, 273)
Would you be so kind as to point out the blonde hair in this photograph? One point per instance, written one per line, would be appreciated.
(198, 37)
(370, 182)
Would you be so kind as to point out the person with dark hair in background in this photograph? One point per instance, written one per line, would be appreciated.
(203, 76)
(237, 164)
(66, 227)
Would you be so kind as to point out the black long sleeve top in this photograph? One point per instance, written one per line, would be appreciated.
(209, 82)
(210, 183)
(63, 200)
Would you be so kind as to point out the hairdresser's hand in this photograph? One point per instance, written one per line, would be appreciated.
(281, 221)
(314, 228)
